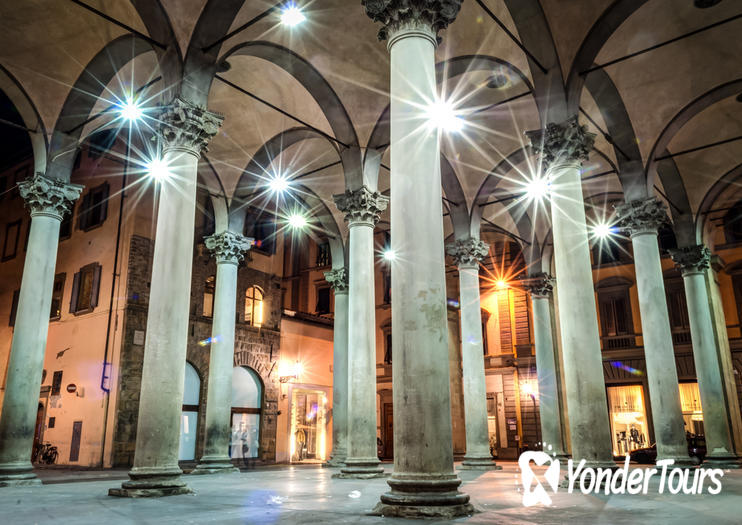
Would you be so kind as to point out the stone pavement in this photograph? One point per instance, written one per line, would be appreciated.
(306, 495)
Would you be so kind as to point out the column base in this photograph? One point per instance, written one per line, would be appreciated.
(18, 474)
(335, 462)
(724, 461)
(479, 463)
(152, 483)
(681, 461)
(433, 496)
(361, 468)
(214, 465)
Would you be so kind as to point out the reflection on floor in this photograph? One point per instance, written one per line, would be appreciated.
(307, 494)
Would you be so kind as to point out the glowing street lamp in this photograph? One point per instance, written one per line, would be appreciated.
(291, 15)
(297, 221)
(278, 184)
(501, 284)
(158, 169)
(603, 230)
(442, 115)
(130, 110)
(538, 188)
(389, 255)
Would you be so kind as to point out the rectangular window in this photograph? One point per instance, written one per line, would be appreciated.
(94, 208)
(52, 422)
(615, 319)
(56, 383)
(323, 300)
(75, 443)
(209, 291)
(14, 308)
(85, 289)
(388, 349)
(12, 233)
(57, 293)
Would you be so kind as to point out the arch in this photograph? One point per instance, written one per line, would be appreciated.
(83, 97)
(731, 178)
(30, 116)
(309, 77)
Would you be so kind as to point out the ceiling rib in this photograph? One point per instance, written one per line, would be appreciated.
(244, 26)
(699, 148)
(120, 24)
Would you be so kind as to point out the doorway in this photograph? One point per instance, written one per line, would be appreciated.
(308, 425)
(247, 400)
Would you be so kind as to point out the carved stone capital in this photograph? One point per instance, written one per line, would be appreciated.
(645, 216)
(401, 14)
(539, 284)
(361, 206)
(564, 142)
(338, 279)
(228, 247)
(691, 259)
(49, 197)
(468, 252)
(183, 125)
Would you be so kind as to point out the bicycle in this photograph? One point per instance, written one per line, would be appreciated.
(44, 453)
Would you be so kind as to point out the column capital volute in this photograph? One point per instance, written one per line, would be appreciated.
(565, 142)
(49, 197)
(338, 279)
(538, 284)
(185, 126)
(228, 247)
(399, 15)
(468, 252)
(361, 206)
(641, 216)
(691, 259)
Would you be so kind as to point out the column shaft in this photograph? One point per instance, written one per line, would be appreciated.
(340, 380)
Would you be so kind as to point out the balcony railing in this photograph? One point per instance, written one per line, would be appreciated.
(618, 342)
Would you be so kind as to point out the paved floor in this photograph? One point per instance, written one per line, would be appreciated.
(308, 495)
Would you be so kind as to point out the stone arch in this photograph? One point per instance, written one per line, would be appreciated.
(730, 179)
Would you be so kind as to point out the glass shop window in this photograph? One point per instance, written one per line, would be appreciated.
(323, 300)
(85, 287)
(628, 417)
(94, 208)
(12, 234)
(690, 405)
(57, 293)
(308, 438)
(209, 291)
(323, 254)
(254, 306)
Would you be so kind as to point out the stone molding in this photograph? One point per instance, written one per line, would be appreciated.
(338, 279)
(539, 284)
(400, 14)
(468, 252)
(183, 125)
(49, 197)
(643, 216)
(564, 142)
(361, 206)
(228, 247)
(691, 259)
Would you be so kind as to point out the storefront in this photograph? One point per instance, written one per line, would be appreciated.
(628, 417)
(690, 403)
(308, 434)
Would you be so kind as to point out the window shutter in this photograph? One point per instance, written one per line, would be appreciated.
(82, 218)
(14, 308)
(96, 286)
(104, 202)
(75, 291)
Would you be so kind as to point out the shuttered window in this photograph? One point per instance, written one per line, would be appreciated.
(94, 208)
(85, 289)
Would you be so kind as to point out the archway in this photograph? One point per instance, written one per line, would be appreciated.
(189, 416)
(247, 403)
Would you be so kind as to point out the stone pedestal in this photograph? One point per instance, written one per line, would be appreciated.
(424, 483)
(540, 287)
(642, 220)
(562, 148)
(228, 249)
(48, 201)
(693, 261)
(184, 131)
(467, 253)
(362, 209)
(338, 279)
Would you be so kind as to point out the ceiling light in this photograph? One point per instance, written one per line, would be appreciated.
(442, 115)
(603, 230)
(130, 110)
(291, 15)
(158, 169)
(278, 184)
(501, 284)
(389, 255)
(297, 221)
(538, 188)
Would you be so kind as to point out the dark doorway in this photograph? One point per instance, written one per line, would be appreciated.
(39, 428)
(388, 437)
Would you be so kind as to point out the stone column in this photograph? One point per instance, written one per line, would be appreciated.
(540, 287)
(48, 200)
(642, 220)
(229, 249)
(562, 148)
(338, 279)
(467, 253)
(424, 483)
(184, 130)
(693, 261)
(362, 210)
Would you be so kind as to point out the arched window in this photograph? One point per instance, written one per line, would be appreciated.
(247, 400)
(189, 417)
(254, 306)
(209, 291)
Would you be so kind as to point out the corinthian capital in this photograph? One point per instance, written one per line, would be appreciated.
(228, 247)
(338, 279)
(641, 216)
(399, 14)
(691, 259)
(361, 206)
(564, 142)
(468, 252)
(49, 197)
(183, 125)
(539, 284)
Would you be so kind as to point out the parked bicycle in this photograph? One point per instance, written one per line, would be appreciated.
(44, 453)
